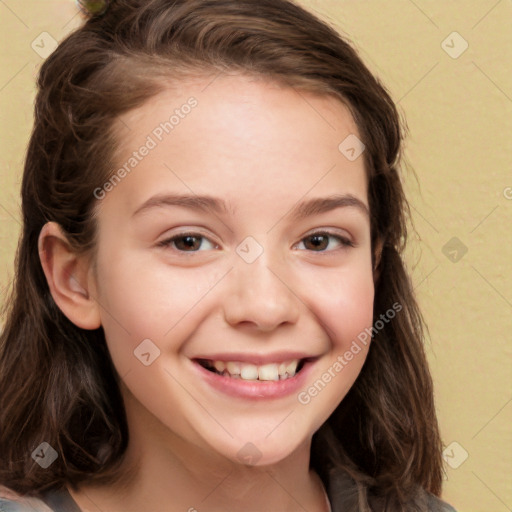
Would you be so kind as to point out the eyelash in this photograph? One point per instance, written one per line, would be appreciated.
(344, 242)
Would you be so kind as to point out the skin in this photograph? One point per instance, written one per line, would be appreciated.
(262, 148)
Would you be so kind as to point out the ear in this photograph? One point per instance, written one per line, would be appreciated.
(69, 276)
(379, 245)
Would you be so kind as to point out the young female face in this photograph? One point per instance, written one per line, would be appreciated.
(254, 277)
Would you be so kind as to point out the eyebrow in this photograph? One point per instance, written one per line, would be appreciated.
(320, 205)
(216, 205)
(194, 202)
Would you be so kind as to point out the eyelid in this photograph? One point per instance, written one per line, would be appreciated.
(334, 232)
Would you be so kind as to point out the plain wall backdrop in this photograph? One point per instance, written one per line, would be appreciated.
(448, 67)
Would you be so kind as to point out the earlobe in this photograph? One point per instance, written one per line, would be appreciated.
(67, 274)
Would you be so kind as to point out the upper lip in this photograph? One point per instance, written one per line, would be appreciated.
(257, 359)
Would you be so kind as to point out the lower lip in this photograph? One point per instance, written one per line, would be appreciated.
(255, 389)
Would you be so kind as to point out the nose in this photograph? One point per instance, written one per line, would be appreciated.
(260, 295)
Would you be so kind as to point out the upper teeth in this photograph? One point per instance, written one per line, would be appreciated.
(247, 371)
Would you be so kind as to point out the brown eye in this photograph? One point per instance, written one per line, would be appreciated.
(319, 242)
(186, 242)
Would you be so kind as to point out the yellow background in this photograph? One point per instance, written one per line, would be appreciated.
(459, 113)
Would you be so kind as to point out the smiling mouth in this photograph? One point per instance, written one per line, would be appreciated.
(251, 372)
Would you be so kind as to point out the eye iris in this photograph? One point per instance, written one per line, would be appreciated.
(319, 241)
(191, 242)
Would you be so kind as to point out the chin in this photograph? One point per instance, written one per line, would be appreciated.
(264, 452)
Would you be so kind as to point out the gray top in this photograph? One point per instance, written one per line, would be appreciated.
(53, 501)
(61, 501)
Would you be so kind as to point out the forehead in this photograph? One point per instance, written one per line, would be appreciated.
(241, 134)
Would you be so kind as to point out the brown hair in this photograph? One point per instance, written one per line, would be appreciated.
(57, 381)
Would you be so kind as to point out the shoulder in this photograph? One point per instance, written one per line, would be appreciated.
(23, 505)
(343, 495)
(437, 505)
(11, 501)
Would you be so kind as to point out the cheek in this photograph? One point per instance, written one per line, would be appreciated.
(141, 302)
(344, 307)
(344, 304)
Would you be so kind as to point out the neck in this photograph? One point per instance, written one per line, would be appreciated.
(165, 472)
